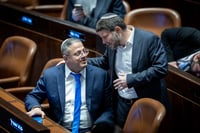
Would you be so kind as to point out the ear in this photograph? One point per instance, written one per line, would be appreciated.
(117, 29)
(65, 57)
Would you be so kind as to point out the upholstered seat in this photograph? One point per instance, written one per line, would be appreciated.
(153, 19)
(145, 116)
(127, 6)
(16, 56)
(21, 92)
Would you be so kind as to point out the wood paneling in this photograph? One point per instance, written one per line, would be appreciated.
(184, 101)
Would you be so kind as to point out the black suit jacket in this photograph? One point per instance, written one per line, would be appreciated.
(180, 42)
(149, 64)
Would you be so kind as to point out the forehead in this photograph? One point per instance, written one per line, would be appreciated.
(76, 46)
(103, 33)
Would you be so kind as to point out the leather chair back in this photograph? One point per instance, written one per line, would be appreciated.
(22, 3)
(21, 92)
(153, 19)
(127, 6)
(16, 56)
(145, 116)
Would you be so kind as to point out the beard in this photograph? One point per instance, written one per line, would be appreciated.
(116, 40)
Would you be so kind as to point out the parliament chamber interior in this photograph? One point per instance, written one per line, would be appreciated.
(41, 22)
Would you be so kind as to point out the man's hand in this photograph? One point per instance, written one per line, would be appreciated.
(120, 83)
(36, 111)
(77, 14)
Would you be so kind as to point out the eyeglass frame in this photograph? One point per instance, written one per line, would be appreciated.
(79, 54)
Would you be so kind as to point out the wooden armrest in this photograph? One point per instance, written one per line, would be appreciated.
(19, 92)
(45, 7)
(10, 79)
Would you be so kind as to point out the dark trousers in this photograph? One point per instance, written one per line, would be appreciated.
(122, 110)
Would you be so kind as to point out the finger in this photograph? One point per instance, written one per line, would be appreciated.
(116, 84)
(116, 80)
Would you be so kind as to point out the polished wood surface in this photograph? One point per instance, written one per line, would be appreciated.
(47, 122)
(184, 102)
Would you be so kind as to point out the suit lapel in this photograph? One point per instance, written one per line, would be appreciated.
(136, 50)
(61, 85)
(113, 60)
(89, 86)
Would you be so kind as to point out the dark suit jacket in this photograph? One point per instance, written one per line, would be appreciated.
(102, 7)
(180, 42)
(149, 64)
(52, 86)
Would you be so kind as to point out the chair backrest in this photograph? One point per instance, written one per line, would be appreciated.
(145, 116)
(53, 10)
(16, 56)
(153, 19)
(22, 3)
(127, 6)
(21, 92)
(52, 62)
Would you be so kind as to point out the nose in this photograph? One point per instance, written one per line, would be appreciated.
(84, 53)
(104, 41)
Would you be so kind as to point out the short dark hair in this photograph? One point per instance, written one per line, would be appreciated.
(66, 43)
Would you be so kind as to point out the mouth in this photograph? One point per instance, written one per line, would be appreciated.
(83, 60)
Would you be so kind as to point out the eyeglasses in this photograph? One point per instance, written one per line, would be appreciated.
(81, 53)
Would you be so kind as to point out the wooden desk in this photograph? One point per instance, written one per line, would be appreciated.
(47, 122)
(184, 99)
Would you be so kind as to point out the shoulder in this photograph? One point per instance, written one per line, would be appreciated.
(54, 69)
(95, 69)
(181, 32)
(148, 34)
(145, 36)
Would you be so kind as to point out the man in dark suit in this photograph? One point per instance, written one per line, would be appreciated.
(136, 60)
(180, 42)
(92, 10)
(57, 85)
(183, 48)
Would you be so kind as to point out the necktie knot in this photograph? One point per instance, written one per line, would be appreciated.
(76, 75)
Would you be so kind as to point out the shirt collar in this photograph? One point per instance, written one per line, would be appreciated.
(68, 71)
(131, 37)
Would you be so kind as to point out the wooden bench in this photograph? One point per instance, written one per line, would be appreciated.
(15, 110)
(184, 100)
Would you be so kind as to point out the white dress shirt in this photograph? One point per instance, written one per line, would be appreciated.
(85, 120)
(185, 62)
(124, 65)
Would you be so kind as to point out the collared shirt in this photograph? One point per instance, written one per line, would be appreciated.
(124, 65)
(85, 120)
(185, 62)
